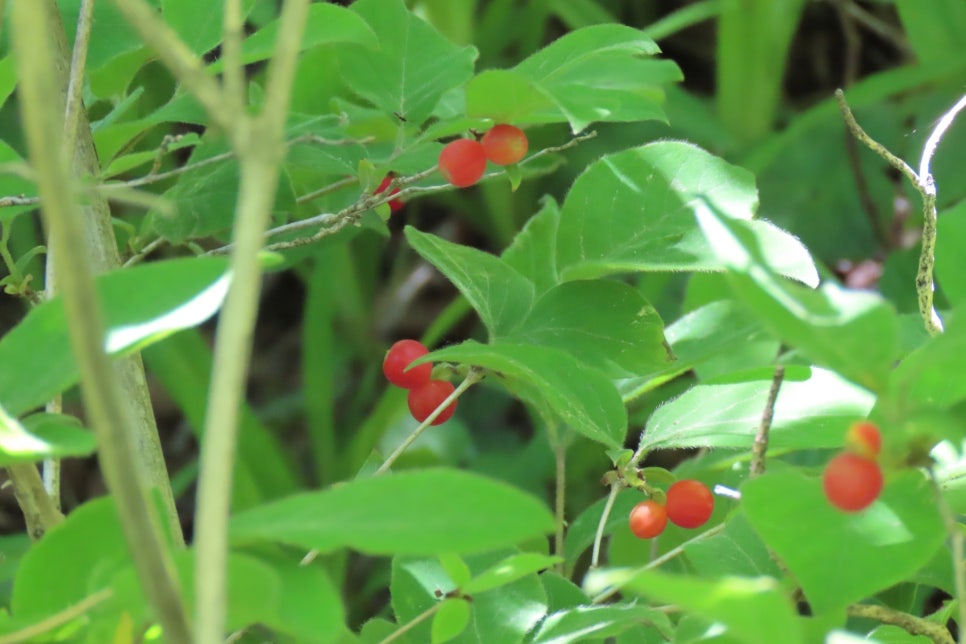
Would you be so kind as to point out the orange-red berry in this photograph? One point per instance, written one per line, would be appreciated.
(689, 503)
(852, 482)
(394, 204)
(864, 438)
(462, 162)
(648, 519)
(399, 357)
(505, 144)
(427, 397)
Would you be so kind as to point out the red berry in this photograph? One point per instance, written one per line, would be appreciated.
(400, 356)
(852, 482)
(462, 162)
(648, 519)
(394, 204)
(423, 400)
(689, 503)
(863, 438)
(505, 144)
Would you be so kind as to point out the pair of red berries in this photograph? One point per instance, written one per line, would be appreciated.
(463, 161)
(425, 394)
(689, 505)
(853, 479)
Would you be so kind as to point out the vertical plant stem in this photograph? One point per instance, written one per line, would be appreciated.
(760, 447)
(78, 62)
(39, 509)
(615, 489)
(560, 499)
(260, 144)
(101, 392)
(234, 75)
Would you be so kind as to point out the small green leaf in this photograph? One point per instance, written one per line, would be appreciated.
(837, 557)
(509, 570)
(450, 620)
(419, 512)
(43, 436)
(459, 573)
(809, 414)
(755, 610)
(553, 381)
(501, 296)
(580, 623)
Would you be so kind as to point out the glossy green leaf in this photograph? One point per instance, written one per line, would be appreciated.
(853, 332)
(325, 24)
(454, 565)
(738, 550)
(141, 305)
(418, 512)
(546, 378)
(598, 73)
(413, 67)
(838, 557)
(533, 250)
(42, 436)
(578, 624)
(111, 35)
(450, 620)
(754, 610)
(633, 211)
(197, 23)
(501, 296)
(810, 414)
(606, 324)
(931, 376)
(508, 570)
(561, 592)
(503, 614)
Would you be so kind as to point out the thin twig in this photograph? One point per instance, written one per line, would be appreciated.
(75, 85)
(473, 377)
(233, 74)
(144, 252)
(18, 200)
(324, 190)
(560, 500)
(28, 633)
(909, 623)
(411, 624)
(760, 446)
(615, 489)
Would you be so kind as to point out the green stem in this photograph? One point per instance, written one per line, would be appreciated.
(413, 623)
(100, 385)
(78, 62)
(910, 623)
(615, 489)
(560, 499)
(39, 510)
(233, 27)
(760, 445)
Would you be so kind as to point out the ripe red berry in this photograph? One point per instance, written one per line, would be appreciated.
(462, 162)
(427, 397)
(648, 519)
(864, 439)
(394, 204)
(400, 356)
(689, 503)
(852, 482)
(505, 144)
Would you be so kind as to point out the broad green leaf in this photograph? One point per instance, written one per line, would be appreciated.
(508, 570)
(754, 610)
(325, 24)
(503, 614)
(578, 624)
(87, 544)
(935, 33)
(450, 620)
(561, 592)
(633, 211)
(198, 23)
(419, 512)
(8, 78)
(111, 35)
(738, 550)
(501, 296)
(413, 67)
(605, 323)
(140, 305)
(43, 436)
(598, 73)
(838, 557)
(533, 251)
(853, 332)
(950, 262)
(810, 414)
(931, 376)
(553, 381)
(182, 365)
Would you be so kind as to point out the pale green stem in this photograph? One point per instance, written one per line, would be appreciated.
(232, 30)
(260, 145)
(560, 500)
(910, 623)
(413, 623)
(100, 388)
(615, 489)
(30, 633)
(75, 85)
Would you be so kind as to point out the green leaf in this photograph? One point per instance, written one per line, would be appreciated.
(12, 184)
(738, 550)
(809, 414)
(111, 35)
(755, 611)
(413, 67)
(454, 565)
(508, 570)
(598, 73)
(606, 324)
(935, 33)
(43, 436)
(198, 23)
(141, 305)
(583, 529)
(325, 24)
(8, 80)
(450, 620)
(852, 332)
(633, 211)
(838, 557)
(950, 263)
(501, 296)
(578, 624)
(420, 512)
(553, 381)
(931, 377)
(533, 252)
